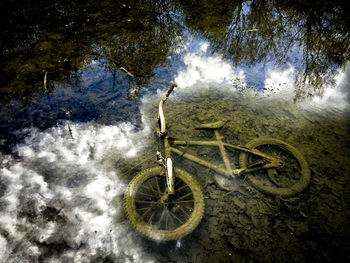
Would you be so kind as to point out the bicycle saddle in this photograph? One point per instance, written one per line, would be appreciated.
(212, 125)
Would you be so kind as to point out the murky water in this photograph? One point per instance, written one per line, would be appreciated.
(80, 86)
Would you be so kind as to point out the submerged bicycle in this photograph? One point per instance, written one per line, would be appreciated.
(165, 203)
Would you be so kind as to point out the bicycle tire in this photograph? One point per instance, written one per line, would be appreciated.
(147, 229)
(304, 174)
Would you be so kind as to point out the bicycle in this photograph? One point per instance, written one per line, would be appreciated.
(166, 203)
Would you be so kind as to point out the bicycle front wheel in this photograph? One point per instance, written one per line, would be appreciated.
(157, 215)
(289, 179)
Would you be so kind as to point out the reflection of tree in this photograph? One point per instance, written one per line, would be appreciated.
(60, 37)
(37, 38)
(320, 28)
(324, 33)
(148, 35)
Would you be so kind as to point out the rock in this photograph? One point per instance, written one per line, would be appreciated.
(239, 204)
(256, 221)
(243, 219)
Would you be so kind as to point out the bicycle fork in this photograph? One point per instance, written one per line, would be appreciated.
(167, 164)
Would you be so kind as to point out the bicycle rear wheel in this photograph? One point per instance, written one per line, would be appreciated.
(289, 179)
(163, 219)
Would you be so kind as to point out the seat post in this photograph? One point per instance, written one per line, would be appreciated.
(223, 151)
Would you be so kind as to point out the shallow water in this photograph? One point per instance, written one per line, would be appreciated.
(72, 141)
(61, 197)
(247, 225)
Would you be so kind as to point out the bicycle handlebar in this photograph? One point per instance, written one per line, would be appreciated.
(161, 116)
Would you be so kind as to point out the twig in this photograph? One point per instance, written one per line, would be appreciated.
(126, 71)
(45, 78)
(70, 131)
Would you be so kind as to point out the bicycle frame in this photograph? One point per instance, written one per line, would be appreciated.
(161, 214)
(267, 162)
(228, 170)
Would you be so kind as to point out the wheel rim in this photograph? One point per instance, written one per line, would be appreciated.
(301, 180)
(169, 231)
(285, 176)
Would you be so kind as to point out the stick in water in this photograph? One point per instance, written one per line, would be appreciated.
(45, 79)
(126, 71)
(70, 132)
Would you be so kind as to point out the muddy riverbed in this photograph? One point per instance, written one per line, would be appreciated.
(243, 224)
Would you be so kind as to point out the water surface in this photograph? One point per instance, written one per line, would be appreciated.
(79, 88)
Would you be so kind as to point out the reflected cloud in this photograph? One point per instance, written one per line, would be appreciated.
(280, 84)
(336, 96)
(62, 197)
(204, 69)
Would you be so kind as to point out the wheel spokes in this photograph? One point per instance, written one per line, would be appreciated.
(147, 211)
(145, 201)
(182, 187)
(150, 188)
(161, 217)
(184, 196)
(184, 212)
(151, 217)
(176, 217)
(184, 201)
(158, 187)
(142, 193)
(167, 214)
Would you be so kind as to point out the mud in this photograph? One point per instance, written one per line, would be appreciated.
(245, 225)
